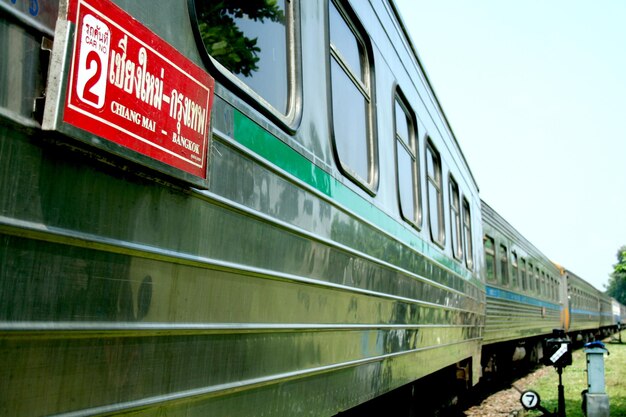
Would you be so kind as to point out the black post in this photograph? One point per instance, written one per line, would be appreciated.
(561, 409)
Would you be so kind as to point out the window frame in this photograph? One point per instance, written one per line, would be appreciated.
(367, 90)
(503, 262)
(514, 269)
(455, 218)
(490, 253)
(537, 280)
(412, 148)
(522, 273)
(530, 277)
(288, 121)
(468, 244)
(431, 149)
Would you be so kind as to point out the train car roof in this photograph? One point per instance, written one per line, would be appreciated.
(421, 67)
(489, 214)
(585, 282)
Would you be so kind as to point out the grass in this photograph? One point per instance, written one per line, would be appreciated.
(575, 381)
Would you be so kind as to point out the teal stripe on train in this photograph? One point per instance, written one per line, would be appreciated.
(280, 154)
(520, 298)
(591, 313)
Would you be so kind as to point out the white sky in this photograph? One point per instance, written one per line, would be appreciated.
(535, 91)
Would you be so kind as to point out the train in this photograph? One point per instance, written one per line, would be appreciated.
(528, 296)
(235, 208)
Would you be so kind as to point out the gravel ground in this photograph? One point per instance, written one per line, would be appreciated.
(506, 403)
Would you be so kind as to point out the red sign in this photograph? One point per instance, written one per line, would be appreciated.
(132, 88)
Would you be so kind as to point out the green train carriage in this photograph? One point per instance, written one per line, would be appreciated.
(334, 255)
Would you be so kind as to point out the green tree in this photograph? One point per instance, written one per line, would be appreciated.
(617, 281)
(224, 40)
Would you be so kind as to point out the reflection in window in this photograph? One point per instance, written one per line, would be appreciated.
(467, 235)
(406, 153)
(490, 258)
(249, 39)
(504, 265)
(351, 98)
(435, 194)
(455, 219)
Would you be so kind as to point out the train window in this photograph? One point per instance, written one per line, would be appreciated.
(569, 292)
(557, 289)
(455, 219)
(435, 195)
(351, 90)
(544, 290)
(581, 299)
(555, 283)
(467, 235)
(490, 258)
(248, 42)
(514, 270)
(407, 157)
(522, 274)
(504, 265)
(549, 286)
(531, 281)
(537, 282)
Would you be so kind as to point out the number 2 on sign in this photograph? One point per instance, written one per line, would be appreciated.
(94, 42)
(88, 95)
